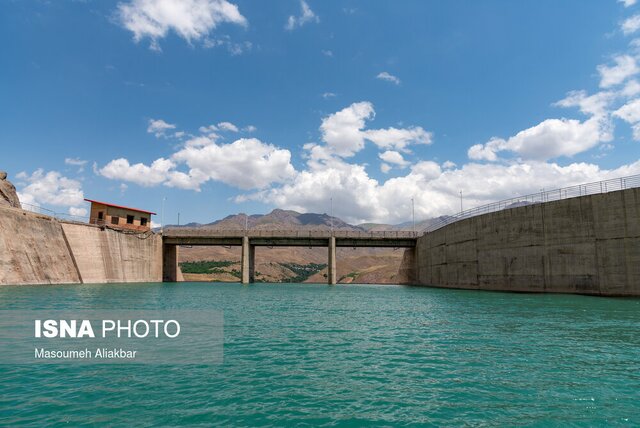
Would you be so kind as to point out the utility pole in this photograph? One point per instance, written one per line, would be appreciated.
(164, 198)
(331, 214)
(413, 215)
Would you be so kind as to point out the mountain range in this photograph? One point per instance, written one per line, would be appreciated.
(279, 219)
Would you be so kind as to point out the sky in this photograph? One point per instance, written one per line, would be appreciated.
(206, 108)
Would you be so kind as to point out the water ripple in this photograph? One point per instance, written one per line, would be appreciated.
(311, 355)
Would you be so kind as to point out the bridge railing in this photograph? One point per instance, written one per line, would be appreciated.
(604, 186)
(302, 234)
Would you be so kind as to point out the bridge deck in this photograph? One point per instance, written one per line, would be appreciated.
(289, 238)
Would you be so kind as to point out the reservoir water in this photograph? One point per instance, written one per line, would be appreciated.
(349, 355)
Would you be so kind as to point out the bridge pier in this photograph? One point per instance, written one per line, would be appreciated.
(249, 240)
(331, 266)
(248, 261)
(170, 263)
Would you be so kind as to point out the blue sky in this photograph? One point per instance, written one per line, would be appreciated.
(238, 106)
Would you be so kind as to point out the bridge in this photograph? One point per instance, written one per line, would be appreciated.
(250, 239)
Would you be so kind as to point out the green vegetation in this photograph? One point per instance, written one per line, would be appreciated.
(352, 275)
(205, 266)
(302, 272)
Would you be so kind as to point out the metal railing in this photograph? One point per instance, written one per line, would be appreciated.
(303, 234)
(597, 187)
(51, 213)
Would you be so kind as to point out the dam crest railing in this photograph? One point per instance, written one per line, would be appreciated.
(594, 188)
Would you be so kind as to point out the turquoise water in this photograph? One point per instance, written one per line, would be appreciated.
(314, 355)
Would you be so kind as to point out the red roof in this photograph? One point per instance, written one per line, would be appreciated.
(120, 206)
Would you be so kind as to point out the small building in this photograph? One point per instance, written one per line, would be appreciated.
(106, 214)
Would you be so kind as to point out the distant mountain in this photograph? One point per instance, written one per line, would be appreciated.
(279, 219)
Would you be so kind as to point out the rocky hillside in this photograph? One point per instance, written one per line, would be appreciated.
(8, 195)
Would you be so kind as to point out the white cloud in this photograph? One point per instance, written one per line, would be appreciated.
(234, 48)
(141, 174)
(328, 95)
(159, 127)
(189, 19)
(393, 157)
(227, 126)
(75, 161)
(385, 167)
(344, 132)
(592, 105)
(624, 68)
(398, 138)
(327, 52)
(80, 163)
(50, 188)
(486, 151)
(244, 164)
(631, 25)
(388, 77)
(78, 212)
(249, 128)
(448, 165)
(549, 139)
(627, 3)
(630, 113)
(306, 16)
(632, 88)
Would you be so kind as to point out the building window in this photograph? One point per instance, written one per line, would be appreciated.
(129, 219)
(100, 215)
(143, 221)
(115, 220)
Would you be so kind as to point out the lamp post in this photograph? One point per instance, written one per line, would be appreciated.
(331, 213)
(413, 216)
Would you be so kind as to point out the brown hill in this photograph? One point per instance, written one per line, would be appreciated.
(281, 220)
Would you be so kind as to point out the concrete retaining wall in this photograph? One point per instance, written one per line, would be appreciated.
(105, 255)
(37, 249)
(586, 245)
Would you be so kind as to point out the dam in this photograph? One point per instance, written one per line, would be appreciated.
(586, 241)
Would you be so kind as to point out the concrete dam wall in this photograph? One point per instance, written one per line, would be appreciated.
(106, 255)
(38, 249)
(585, 245)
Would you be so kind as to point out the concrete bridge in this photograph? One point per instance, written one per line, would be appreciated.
(250, 239)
